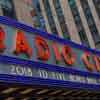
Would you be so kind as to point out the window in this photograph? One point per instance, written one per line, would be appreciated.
(90, 21)
(50, 17)
(8, 8)
(39, 17)
(61, 19)
(78, 23)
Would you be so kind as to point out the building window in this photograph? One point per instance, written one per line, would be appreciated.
(36, 14)
(40, 17)
(61, 19)
(8, 8)
(97, 6)
(90, 21)
(78, 23)
(50, 17)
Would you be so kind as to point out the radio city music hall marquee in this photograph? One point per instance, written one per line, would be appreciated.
(43, 50)
(33, 47)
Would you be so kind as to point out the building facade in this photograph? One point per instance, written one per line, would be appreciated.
(40, 65)
(74, 20)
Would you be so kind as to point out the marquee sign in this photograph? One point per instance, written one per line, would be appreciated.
(25, 51)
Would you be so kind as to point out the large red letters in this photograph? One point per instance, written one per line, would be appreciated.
(65, 50)
(43, 51)
(22, 45)
(41, 43)
(2, 36)
(97, 63)
(86, 57)
(56, 52)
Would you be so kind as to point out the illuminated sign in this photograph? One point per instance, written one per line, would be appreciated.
(35, 47)
(12, 69)
(25, 51)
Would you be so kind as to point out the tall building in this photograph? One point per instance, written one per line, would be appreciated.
(74, 20)
(40, 66)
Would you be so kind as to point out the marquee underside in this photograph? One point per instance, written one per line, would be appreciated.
(28, 92)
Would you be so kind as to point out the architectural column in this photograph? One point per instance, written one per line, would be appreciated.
(1, 13)
(22, 12)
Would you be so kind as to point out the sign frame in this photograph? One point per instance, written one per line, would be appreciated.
(46, 82)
